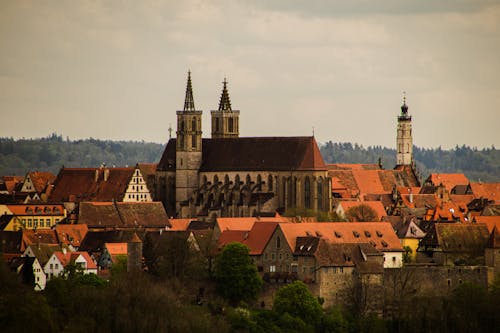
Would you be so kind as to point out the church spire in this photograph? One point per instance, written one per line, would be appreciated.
(404, 107)
(189, 101)
(225, 102)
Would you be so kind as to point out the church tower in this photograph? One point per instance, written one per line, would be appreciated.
(225, 121)
(404, 141)
(188, 148)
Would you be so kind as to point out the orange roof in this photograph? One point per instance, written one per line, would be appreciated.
(69, 257)
(449, 180)
(116, 248)
(490, 221)
(490, 191)
(368, 181)
(30, 236)
(377, 206)
(30, 210)
(420, 200)
(71, 234)
(243, 223)
(11, 182)
(446, 211)
(179, 224)
(256, 239)
(346, 166)
(380, 234)
(41, 179)
(230, 236)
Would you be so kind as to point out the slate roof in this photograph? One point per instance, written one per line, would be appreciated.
(79, 184)
(379, 234)
(123, 215)
(253, 154)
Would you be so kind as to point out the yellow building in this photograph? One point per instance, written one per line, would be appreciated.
(34, 216)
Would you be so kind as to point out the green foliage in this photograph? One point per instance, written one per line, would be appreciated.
(236, 276)
(49, 154)
(361, 213)
(334, 321)
(296, 300)
(119, 267)
(407, 254)
(476, 164)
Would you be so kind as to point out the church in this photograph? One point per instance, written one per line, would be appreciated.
(232, 176)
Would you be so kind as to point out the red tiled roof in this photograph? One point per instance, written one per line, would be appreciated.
(230, 236)
(123, 215)
(244, 223)
(11, 182)
(253, 154)
(380, 234)
(79, 184)
(47, 236)
(259, 236)
(41, 179)
(345, 166)
(69, 257)
(37, 210)
(449, 180)
(377, 206)
(116, 248)
(490, 191)
(71, 234)
(489, 221)
(179, 224)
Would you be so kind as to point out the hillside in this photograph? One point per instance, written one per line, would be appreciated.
(48, 154)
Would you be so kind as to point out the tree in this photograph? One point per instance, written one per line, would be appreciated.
(296, 300)
(236, 276)
(361, 213)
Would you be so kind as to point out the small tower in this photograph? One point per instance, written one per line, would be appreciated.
(404, 141)
(188, 148)
(225, 121)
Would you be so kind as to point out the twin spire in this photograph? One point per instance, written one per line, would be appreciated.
(224, 103)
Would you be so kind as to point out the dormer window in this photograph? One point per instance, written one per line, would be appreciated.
(379, 234)
(384, 243)
(338, 234)
(367, 234)
(356, 234)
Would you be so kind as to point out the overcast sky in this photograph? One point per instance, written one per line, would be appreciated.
(117, 69)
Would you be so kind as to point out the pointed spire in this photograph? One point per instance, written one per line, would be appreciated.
(189, 101)
(225, 102)
(404, 107)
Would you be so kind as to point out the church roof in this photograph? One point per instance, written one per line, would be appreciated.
(253, 154)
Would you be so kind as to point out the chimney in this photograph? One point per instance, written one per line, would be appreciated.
(410, 197)
(96, 175)
(106, 174)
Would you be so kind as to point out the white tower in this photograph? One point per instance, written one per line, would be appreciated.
(404, 141)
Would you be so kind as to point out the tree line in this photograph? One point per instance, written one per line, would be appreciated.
(51, 153)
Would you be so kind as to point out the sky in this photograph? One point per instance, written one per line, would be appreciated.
(117, 69)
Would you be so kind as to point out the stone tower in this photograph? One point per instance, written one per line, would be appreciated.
(404, 141)
(188, 148)
(225, 121)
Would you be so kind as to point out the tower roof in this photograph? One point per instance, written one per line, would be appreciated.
(225, 102)
(189, 101)
(404, 107)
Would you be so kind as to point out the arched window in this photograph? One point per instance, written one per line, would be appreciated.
(278, 242)
(226, 179)
(320, 193)
(248, 180)
(204, 181)
(182, 125)
(193, 124)
(193, 141)
(307, 193)
(237, 181)
(216, 180)
(259, 182)
(270, 183)
(230, 125)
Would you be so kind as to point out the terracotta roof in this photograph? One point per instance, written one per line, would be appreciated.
(380, 234)
(79, 184)
(179, 224)
(41, 179)
(427, 201)
(345, 166)
(490, 191)
(369, 181)
(446, 211)
(256, 239)
(243, 223)
(71, 234)
(489, 221)
(94, 240)
(230, 236)
(494, 239)
(407, 229)
(70, 257)
(377, 206)
(116, 248)
(253, 154)
(31, 237)
(123, 215)
(11, 182)
(449, 180)
(41, 209)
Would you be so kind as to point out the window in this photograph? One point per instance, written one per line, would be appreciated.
(280, 256)
(230, 124)
(56, 266)
(273, 256)
(278, 242)
(193, 124)
(47, 222)
(193, 141)
(295, 268)
(270, 183)
(217, 127)
(320, 193)
(30, 223)
(341, 269)
(307, 193)
(51, 266)
(272, 268)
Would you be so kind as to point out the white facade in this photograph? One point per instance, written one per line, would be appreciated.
(40, 277)
(53, 267)
(137, 190)
(393, 259)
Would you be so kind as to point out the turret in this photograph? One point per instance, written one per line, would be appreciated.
(404, 139)
(225, 120)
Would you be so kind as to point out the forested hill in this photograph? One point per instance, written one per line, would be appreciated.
(476, 164)
(48, 154)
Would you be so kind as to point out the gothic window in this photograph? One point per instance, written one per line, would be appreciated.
(181, 141)
(226, 179)
(270, 183)
(204, 181)
(193, 141)
(182, 125)
(193, 124)
(230, 125)
(216, 180)
(248, 180)
(307, 193)
(237, 181)
(320, 193)
(408, 148)
(259, 182)
(278, 242)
